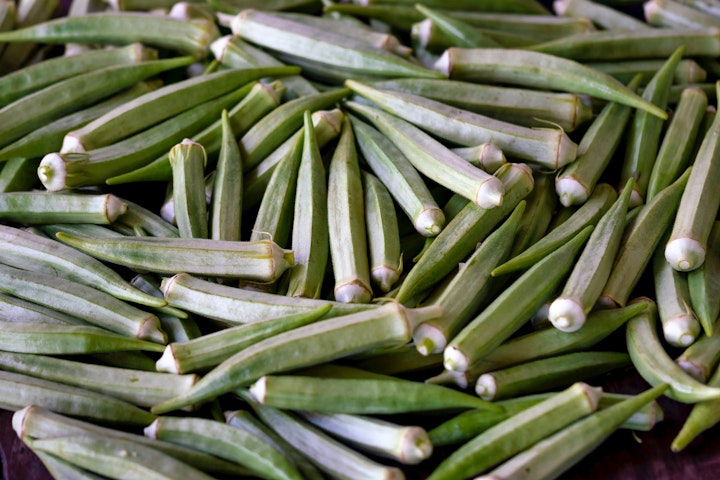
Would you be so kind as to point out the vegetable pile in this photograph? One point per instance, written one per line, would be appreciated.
(304, 239)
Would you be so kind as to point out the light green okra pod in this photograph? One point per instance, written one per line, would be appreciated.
(704, 285)
(18, 174)
(226, 210)
(188, 160)
(671, 14)
(701, 358)
(13, 309)
(604, 16)
(703, 416)
(460, 33)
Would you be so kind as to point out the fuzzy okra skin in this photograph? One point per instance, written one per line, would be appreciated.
(388, 325)
(225, 207)
(38, 207)
(188, 160)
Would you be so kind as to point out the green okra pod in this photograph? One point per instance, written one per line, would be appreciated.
(226, 209)
(383, 236)
(548, 373)
(188, 160)
(59, 468)
(519, 432)
(209, 350)
(486, 156)
(226, 442)
(138, 216)
(703, 416)
(704, 285)
(13, 309)
(464, 231)
(18, 174)
(310, 231)
(394, 169)
(655, 365)
(701, 358)
(262, 261)
(546, 147)
(347, 235)
(604, 16)
(587, 279)
(390, 324)
(671, 14)
(539, 212)
(187, 36)
(460, 33)
(513, 307)
(539, 70)
(686, 71)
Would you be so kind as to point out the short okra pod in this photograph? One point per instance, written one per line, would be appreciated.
(685, 250)
(539, 70)
(513, 307)
(383, 236)
(188, 160)
(226, 442)
(460, 237)
(604, 16)
(680, 326)
(33, 252)
(521, 106)
(359, 395)
(139, 388)
(235, 306)
(261, 261)
(639, 241)
(404, 182)
(546, 147)
(347, 235)
(589, 213)
(592, 269)
(576, 182)
(704, 285)
(390, 324)
(409, 445)
(329, 455)
(92, 305)
(655, 365)
(546, 374)
(552, 456)
(458, 305)
(209, 350)
(701, 358)
(191, 37)
(310, 230)
(519, 432)
(434, 160)
(116, 457)
(677, 144)
(704, 415)
(18, 391)
(35, 421)
(226, 210)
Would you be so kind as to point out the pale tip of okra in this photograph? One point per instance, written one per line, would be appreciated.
(490, 193)
(571, 191)
(52, 172)
(566, 314)
(486, 387)
(219, 46)
(354, 291)
(560, 7)
(636, 199)
(430, 222)
(454, 359)
(224, 19)
(415, 446)
(258, 390)
(429, 339)
(167, 361)
(18, 420)
(114, 207)
(384, 277)
(421, 32)
(150, 330)
(684, 254)
(444, 64)
(681, 330)
(72, 144)
(695, 370)
(151, 431)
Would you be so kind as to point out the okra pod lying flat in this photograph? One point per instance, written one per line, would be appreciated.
(262, 260)
(13, 309)
(18, 174)
(604, 16)
(538, 70)
(138, 216)
(703, 416)
(459, 33)
(226, 442)
(390, 324)
(94, 306)
(188, 36)
(701, 358)
(211, 349)
(225, 208)
(662, 13)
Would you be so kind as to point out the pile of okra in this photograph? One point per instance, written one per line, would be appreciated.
(305, 239)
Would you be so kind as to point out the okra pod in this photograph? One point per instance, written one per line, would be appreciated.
(262, 260)
(390, 324)
(188, 160)
(13, 309)
(226, 210)
(592, 269)
(513, 307)
(18, 174)
(486, 156)
(138, 216)
(604, 16)
(459, 33)
(347, 236)
(686, 71)
(670, 14)
(393, 169)
(703, 416)
(539, 211)
(704, 285)
(701, 358)
(655, 365)
(539, 70)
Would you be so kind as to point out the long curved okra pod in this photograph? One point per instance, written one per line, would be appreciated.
(546, 147)
(189, 36)
(512, 307)
(685, 250)
(226, 442)
(539, 70)
(262, 260)
(459, 238)
(388, 325)
(655, 365)
(592, 269)
(406, 185)
(435, 160)
(346, 222)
